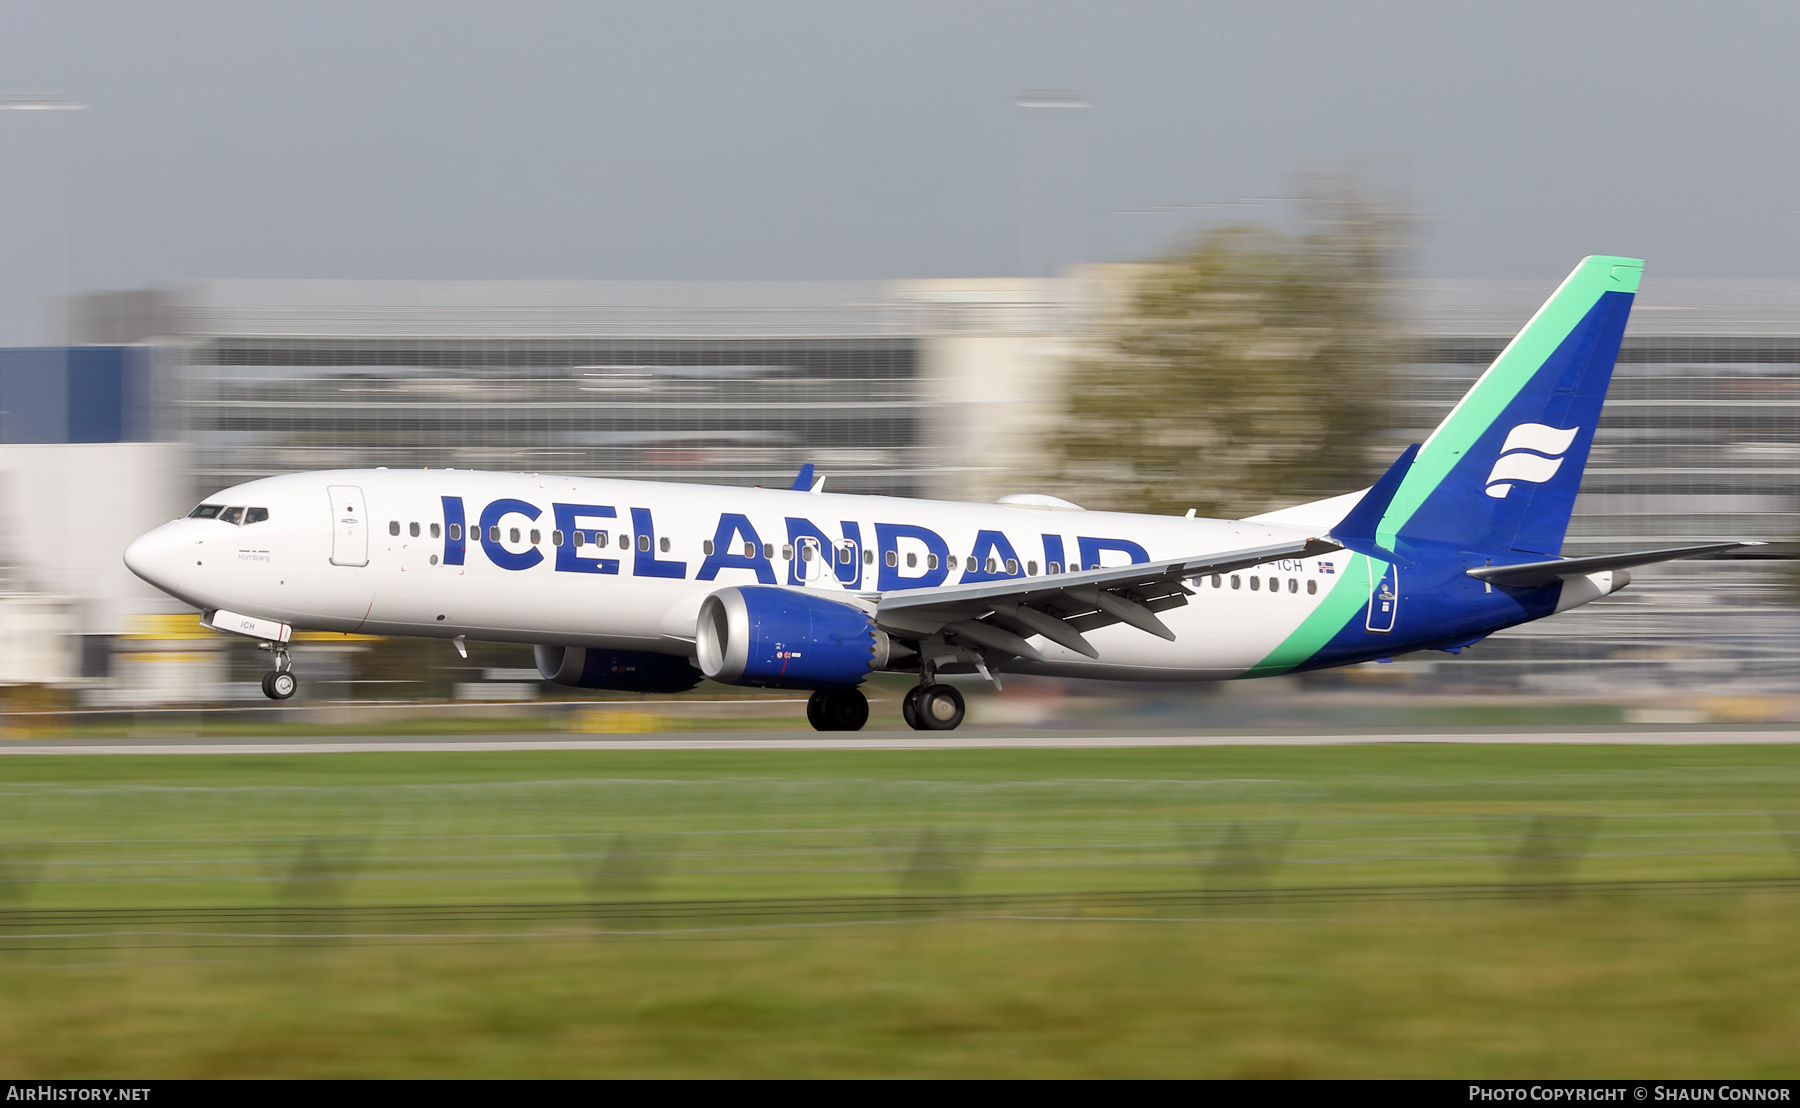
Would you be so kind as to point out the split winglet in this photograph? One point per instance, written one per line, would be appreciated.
(804, 481)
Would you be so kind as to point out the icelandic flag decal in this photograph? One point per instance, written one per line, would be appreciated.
(1327, 568)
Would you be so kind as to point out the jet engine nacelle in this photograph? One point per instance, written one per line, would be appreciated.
(586, 667)
(787, 639)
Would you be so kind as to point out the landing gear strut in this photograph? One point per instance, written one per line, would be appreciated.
(280, 684)
(837, 710)
(932, 707)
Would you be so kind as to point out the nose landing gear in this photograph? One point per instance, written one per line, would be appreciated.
(280, 684)
(837, 710)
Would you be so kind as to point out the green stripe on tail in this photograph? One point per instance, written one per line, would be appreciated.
(1349, 596)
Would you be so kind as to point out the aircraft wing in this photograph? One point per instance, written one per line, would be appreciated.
(1001, 615)
(1531, 574)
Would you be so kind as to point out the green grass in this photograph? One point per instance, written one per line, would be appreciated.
(1378, 910)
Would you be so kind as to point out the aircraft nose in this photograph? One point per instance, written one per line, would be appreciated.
(158, 556)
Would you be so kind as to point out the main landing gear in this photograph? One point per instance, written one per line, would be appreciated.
(837, 710)
(932, 707)
(280, 684)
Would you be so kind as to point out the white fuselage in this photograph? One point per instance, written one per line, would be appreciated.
(643, 588)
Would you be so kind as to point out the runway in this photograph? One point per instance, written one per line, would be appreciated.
(889, 740)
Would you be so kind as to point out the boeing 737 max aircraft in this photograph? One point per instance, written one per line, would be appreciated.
(647, 586)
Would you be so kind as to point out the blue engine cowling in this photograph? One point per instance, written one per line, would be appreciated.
(786, 639)
(587, 667)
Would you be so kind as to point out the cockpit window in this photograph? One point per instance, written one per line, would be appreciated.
(255, 515)
(206, 511)
(233, 516)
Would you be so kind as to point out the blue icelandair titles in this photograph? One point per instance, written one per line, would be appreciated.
(651, 587)
(736, 544)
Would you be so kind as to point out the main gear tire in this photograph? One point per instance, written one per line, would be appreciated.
(837, 710)
(940, 708)
(909, 708)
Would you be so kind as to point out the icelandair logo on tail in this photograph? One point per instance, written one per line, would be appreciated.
(1533, 452)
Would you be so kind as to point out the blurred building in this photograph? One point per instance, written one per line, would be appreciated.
(81, 474)
(947, 388)
(888, 388)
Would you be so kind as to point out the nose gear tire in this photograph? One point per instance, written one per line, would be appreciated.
(279, 685)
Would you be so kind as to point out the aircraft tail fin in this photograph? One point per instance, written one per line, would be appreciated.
(1502, 470)
(1356, 531)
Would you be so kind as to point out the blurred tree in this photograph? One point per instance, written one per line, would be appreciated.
(1247, 371)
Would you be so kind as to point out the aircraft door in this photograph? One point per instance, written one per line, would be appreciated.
(1384, 598)
(814, 563)
(349, 526)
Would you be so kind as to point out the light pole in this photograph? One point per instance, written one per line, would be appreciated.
(34, 226)
(1053, 181)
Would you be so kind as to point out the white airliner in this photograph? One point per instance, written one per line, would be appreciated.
(649, 586)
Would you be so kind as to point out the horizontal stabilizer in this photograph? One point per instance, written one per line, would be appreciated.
(1531, 574)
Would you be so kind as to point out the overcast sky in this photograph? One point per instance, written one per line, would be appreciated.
(841, 140)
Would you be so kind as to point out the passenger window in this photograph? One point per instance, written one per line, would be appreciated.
(1031, 569)
(456, 532)
(556, 538)
(512, 534)
(644, 543)
(1312, 586)
(205, 511)
(665, 546)
(993, 565)
(1216, 581)
(434, 530)
(893, 560)
(412, 530)
(1255, 583)
(1293, 584)
(393, 527)
(931, 561)
(768, 550)
(868, 557)
(1012, 567)
(749, 550)
(1054, 567)
(600, 539)
(493, 534)
(952, 561)
(1237, 581)
(580, 540)
(787, 553)
(806, 552)
(845, 555)
(233, 516)
(255, 515)
(912, 560)
(537, 536)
